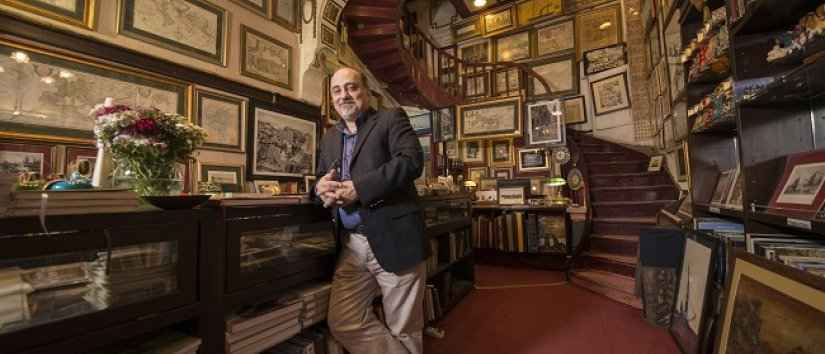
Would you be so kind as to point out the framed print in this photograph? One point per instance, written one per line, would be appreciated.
(771, 307)
(533, 160)
(734, 199)
(17, 158)
(501, 152)
(426, 143)
(575, 112)
(477, 173)
(513, 47)
(74, 12)
(476, 85)
(490, 119)
(421, 123)
(799, 191)
(332, 12)
(499, 20)
(545, 125)
(195, 28)
(472, 151)
(538, 9)
(688, 323)
(723, 185)
(603, 59)
(487, 184)
(451, 149)
(467, 29)
(506, 82)
(261, 7)
(475, 52)
(74, 157)
(673, 57)
(560, 74)
(655, 163)
(610, 94)
(503, 172)
(265, 58)
(681, 163)
(282, 145)
(57, 109)
(444, 124)
(554, 39)
(230, 178)
(286, 13)
(512, 195)
(223, 116)
(267, 186)
(598, 28)
(329, 37)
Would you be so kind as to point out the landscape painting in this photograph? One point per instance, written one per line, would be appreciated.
(282, 145)
(804, 184)
(21, 161)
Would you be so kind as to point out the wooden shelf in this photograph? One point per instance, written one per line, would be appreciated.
(772, 15)
(444, 266)
(710, 76)
(817, 226)
(728, 213)
(444, 228)
(797, 86)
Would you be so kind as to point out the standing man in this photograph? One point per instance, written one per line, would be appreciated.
(369, 162)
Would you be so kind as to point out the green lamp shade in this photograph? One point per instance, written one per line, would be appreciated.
(556, 182)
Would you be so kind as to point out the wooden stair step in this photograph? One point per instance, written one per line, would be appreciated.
(619, 220)
(370, 13)
(613, 286)
(631, 188)
(634, 203)
(615, 258)
(376, 48)
(625, 174)
(375, 31)
(622, 238)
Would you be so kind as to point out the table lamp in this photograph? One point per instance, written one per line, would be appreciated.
(558, 183)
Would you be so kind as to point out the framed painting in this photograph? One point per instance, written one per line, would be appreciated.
(503, 172)
(260, 7)
(223, 116)
(195, 28)
(17, 158)
(451, 149)
(501, 152)
(560, 74)
(281, 145)
(332, 12)
(444, 124)
(598, 28)
(799, 191)
(498, 20)
(603, 59)
(695, 281)
(610, 94)
(575, 112)
(771, 308)
(474, 52)
(267, 186)
(60, 91)
(554, 39)
(477, 173)
(490, 119)
(74, 12)
(75, 155)
(477, 85)
(329, 37)
(265, 58)
(512, 47)
(538, 10)
(506, 82)
(230, 178)
(472, 151)
(530, 160)
(286, 13)
(545, 123)
(486, 184)
(466, 29)
(421, 123)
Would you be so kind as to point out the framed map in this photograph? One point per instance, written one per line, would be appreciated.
(261, 7)
(491, 119)
(265, 58)
(332, 12)
(610, 94)
(560, 73)
(223, 116)
(603, 59)
(499, 20)
(286, 13)
(282, 145)
(444, 124)
(73, 12)
(513, 47)
(230, 178)
(556, 38)
(191, 27)
(598, 28)
(467, 29)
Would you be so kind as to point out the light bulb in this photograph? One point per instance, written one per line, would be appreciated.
(66, 74)
(20, 57)
(2, 70)
(48, 80)
(479, 3)
(605, 25)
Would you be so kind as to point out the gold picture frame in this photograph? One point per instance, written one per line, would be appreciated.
(82, 15)
(255, 63)
(262, 10)
(472, 151)
(467, 29)
(279, 6)
(498, 21)
(499, 148)
(490, 119)
(534, 10)
(598, 28)
(223, 116)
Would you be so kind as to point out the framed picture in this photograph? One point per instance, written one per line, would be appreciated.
(230, 178)
(538, 9)
(673, 55)
(195, 28)
(475, 52)
(477, 173)
(223, 116)
(575, 112)
(683, 163)
(598, 28)
(655, 163)
(332, 12)
(52, 114)
(503, 172)
(560, 74)
(74, 12)
(261, 7)
(734, 199)
(487, 184)
(545, 123)
(266, 186)
(265, 58)
(498, 20)
(490, 119)
(451, 149)
(610, 94)
(766, 299)
(476, 85)
(533, 160)
(421, 123)
(16, 158)
(602, 59)
(286, 13)
(501, 152)
(799, 191)
(309, 183)
(426, 142)
(723, 186)
(467, 29)
(513, 47)
(554, 39)
(282, 145)
(688, 323)
(75, 155)
(329, 37)
(512, 195)
(506, 82)
(444, 124)
(472, 151)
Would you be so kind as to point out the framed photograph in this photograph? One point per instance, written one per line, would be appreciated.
(503, 172)
(723, 186)
(16, 158)
(499, 20)
(512, 195)
(477, 173)
(329, 37)
(74, 12)
(688, 322)
(766, 299)
(545, 123)
(478, 51)
(554, 39)
(560, 74)
(444, 124)
(575, 112)
(230, 178)
(260, 7)
(538, 9)
(598, 28)
(467, 29)
(195, 28)
(490, 119)
(223, 116)
(266, 59)
(501, 152)
(421, 123)
(487, 184)
(533, 160)
(506, 82)
(74, 157)
(426, 142)
(52, 114)
(603, 59)
(287, 13)
(332, 12)
(281, 145)
(512, 47)
(451, 149)
(476, 85)
(799, 191)
(472, 151)
(610, 94)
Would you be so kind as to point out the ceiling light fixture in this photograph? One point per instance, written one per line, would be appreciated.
(479, 3)
(48, 80)
(20, 57)
(605, 25)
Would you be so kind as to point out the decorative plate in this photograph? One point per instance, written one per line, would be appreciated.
(561, 155)
(575, 180)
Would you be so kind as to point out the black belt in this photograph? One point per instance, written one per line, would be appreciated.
(360, 229)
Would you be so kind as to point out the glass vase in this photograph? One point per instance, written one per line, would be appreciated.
(149, 180)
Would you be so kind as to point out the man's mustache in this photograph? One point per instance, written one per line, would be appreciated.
(350, 101)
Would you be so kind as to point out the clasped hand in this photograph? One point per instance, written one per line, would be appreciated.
(333, 192)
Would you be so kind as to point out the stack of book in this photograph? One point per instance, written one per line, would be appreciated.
(432, 262)
(432, 304)
(310, 341)
(14, 305)
(805, 252)
(132, 274)
(263, 326)
(166, 343)
(316, 303)
(90, 201)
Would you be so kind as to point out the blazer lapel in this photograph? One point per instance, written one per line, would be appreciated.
(363, 133)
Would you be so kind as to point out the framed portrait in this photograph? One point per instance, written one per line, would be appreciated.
(421, 123)
(545, 123)
(45, 112)
(513, 47)
(260, 7)
(332, 12)
(230, 178)
(498, 20)
(74, 157)
(476, 85)
(196, 28)
(501, 152)
(598, 28)
(281, 145)
(603, 59)
(477, 173)
(560, 74)
(695, 281)
(223, 116)
(451, 149)
(799, 191)
(610, 94)
(506, 82)
(329, 37)
(575, 112)
(426, 142)
(538, 9)
(17, 158)
(74, 12)
(530, 160)
(503, 172)
(286, 13)
(265, 58)
(472, 151)
(466, 29)
(444, 124)
(490, 119)
(554, 39)
(474, 52)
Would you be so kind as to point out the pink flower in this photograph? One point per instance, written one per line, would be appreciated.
(102, 111)
(146, 126)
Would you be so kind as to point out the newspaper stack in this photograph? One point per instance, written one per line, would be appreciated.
(14, 305)
(263, 326)
(89, 201)
(132, 274)
(316, 303)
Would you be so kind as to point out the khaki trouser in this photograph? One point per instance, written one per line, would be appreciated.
(358, 278)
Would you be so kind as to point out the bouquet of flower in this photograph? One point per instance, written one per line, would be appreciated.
(147, 143)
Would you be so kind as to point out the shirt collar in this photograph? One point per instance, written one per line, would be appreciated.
(342, 126)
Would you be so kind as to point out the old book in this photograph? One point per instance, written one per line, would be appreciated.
(285, 319)
(264, 335)
(246, 320)
(268, 342)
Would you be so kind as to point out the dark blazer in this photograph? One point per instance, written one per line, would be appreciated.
(387, 158)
